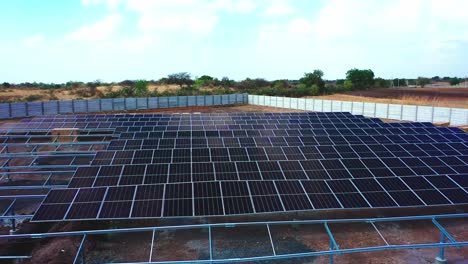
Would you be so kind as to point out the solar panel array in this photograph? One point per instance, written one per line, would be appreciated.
(186, 165)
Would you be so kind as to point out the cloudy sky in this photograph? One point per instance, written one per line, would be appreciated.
(113, 40)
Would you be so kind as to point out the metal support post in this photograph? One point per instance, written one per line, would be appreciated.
(11, 211)
(80, 257)
(333, 244)
(210, 243)
(440, 259)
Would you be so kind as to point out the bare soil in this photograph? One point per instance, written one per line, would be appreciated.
(445, 97)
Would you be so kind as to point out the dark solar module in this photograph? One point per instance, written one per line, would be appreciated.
(173, 165)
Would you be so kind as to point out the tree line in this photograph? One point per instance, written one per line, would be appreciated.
(310, 84)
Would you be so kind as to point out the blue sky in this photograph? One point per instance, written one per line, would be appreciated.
(113, 40)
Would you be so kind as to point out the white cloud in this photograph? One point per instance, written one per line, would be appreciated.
(300, 26)
(187, 16)
(279, 8)
(33, 41)
(112, 4)
(100, 30)
(238, 6)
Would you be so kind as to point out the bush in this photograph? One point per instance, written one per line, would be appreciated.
(381, 83)
(33, 97)
(141, 88)
(347, 85)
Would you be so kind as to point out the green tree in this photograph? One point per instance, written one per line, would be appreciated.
(181, 79)
(141, 88)
(361, 79)
(347, 85)
(455, 81)
(226, 82)
(381, 83)
(399, 82)
(205, 78)
(312, 78)
(423, 81)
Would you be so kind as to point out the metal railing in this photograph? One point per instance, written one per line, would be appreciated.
(446, 238)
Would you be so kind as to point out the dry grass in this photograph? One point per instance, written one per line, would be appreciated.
(446, 97)
(407, 100)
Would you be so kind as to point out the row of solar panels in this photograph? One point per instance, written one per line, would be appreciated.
(290, 153)
(196, 115)
(241, 197)
(342, 141)
(90, 124)
(190, 120)
(315, 135)
(309, 115)
(109, 175)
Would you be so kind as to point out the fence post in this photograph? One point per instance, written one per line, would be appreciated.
(147, 103)
(388, 111)
(73, 105)
(401, 112)
(375, 110)
(450, 116)
(416, 119)
(100, 105)
(352, 106)
(9, 110)
(58, 107)
(341, 106)
(322, 104)
(363, 104)
(26, 106)
(42, 108)
(432, 115)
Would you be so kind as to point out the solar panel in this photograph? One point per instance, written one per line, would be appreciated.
(173, 165)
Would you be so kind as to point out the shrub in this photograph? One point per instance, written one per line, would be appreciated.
(33, 97)
(347, 85)
(141, 88)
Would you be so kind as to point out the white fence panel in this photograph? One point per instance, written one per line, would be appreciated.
(425, 113)
(337, 106)
(327, 106)
(409, 112)
(455, 116)
(318, 105)
(346, 106)
(369, 109)
(441, 114)
(394, 111)
(459, 116)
